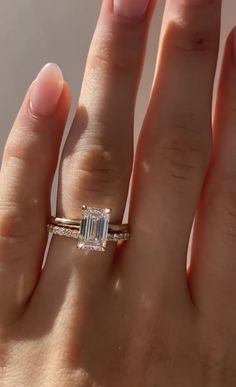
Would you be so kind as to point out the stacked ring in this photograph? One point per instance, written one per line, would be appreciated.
(93, 231)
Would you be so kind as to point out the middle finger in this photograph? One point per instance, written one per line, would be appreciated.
(174, 146)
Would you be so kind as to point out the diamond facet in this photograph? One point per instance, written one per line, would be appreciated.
(94, 228)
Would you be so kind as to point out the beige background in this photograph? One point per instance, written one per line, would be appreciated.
(36, 32)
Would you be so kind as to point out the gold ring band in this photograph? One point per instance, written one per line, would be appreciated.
(76, 224)
(93, 230)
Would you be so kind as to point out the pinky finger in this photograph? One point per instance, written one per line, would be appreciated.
(29, 162)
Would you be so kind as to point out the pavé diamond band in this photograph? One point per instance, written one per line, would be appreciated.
(93, 231)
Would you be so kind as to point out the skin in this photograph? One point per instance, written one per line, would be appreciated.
(132, 316)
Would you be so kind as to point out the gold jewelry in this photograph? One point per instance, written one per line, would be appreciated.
(93, 231)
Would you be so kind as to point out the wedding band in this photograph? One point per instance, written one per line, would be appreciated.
(93, 231)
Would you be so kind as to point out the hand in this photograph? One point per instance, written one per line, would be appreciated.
(131, 316)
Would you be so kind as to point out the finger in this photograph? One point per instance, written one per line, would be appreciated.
(213, 268)
(97, 158)
(174, 146)
(29, 162)
(99, 152)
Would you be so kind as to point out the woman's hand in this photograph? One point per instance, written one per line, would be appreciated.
(132, 316)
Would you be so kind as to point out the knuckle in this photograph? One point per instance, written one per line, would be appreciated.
(152, 345)
(217, 368)
(221, 201)
(216, 349)
(184, 161)
(95, 170)
(14, 227)
(120, 61)
(15, 239)
(14, 151)
(10, 226)
(217, 362)
(231, 110)
(154, 339)
(103, 60)
(190, 34)
(25, 149)
(192, 43)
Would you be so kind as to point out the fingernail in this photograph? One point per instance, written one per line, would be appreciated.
(131, 9)
(46, 89)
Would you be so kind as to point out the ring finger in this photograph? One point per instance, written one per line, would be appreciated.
(98, 155)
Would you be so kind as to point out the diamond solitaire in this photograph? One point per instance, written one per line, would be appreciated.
(94, 228)
(93, 231)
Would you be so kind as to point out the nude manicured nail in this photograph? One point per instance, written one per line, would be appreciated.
(131, 9)
(47, 89)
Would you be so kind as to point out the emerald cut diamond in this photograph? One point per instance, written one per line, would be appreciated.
(94, 228)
